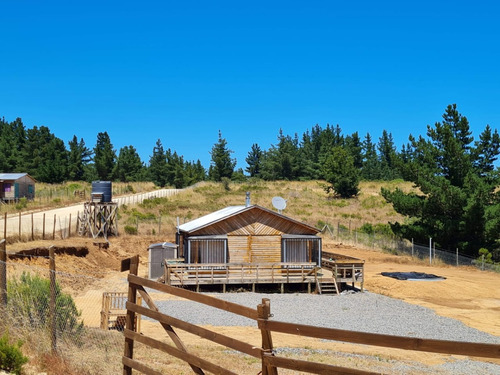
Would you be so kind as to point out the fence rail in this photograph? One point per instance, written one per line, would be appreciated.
(262, 314)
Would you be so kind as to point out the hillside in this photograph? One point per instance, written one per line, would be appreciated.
(467, 295)
(306, 202)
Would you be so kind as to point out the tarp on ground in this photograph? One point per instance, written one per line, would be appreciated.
(412, 276)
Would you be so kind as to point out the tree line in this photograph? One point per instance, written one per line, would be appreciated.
(458, 199)
(40, 153)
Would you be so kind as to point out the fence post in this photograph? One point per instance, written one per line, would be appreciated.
(54, 228)
(32, 228)
(430, 250)
(482, 262)
(3, 273)
(19, 226)
(457, 256)
(129, 325)
(43, 230)
(53, 291)
(69, 226)
(412, 247)
(264, 312)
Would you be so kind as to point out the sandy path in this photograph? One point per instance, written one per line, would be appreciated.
(63, 214)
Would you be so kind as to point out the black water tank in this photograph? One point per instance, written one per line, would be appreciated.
(105, 188)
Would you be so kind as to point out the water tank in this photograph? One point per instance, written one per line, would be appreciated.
(105, 188)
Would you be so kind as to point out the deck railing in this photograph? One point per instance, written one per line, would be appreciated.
(236, 273)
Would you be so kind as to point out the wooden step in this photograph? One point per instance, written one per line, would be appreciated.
(328, 288)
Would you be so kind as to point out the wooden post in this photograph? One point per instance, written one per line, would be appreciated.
(132, 297)
(19, 226)
(3, 271)
(43, 230)
(32, 228)
(52, 308)
(54, 228)
(69, 226)
(264, 312)
(457, 256)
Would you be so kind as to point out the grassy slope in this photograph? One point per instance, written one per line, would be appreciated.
(306, 202)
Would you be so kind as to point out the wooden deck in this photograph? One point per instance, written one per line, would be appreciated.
(240, 273)
(344, 269)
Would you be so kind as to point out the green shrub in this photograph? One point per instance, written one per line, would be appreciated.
(129, 229)
(366, 228)
(11, 357)
(225, 182)
(29, 297)
(22, 203)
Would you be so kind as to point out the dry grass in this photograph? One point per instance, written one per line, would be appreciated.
(306, 202)
(58, 195)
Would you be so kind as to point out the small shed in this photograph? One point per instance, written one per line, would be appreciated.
(158, 253)
(14, 186)
(248, 234)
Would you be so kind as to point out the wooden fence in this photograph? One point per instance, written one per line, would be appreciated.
(270, 362)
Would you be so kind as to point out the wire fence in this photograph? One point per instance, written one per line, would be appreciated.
(390, 244)
(63, 317)
(64, 223)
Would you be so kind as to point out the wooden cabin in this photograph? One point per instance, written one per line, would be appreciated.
(14, 186)
(248, 234)
(252, 245)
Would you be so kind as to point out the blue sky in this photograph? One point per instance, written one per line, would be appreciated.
(180, 71)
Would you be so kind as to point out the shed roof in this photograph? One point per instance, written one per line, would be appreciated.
(163, 245)
(12, 176)
(231, 211)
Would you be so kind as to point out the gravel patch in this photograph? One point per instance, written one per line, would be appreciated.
(365, 312)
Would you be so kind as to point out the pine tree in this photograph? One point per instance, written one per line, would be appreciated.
(371, 165)
(158, 165)
(44, 156)
(340, 173)
(79, 157)
(104, 157)
(388, 157)
(221, 165)
(129, 166)
(457, 197)
(254, 161)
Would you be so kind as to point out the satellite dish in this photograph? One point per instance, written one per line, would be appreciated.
(279, 203)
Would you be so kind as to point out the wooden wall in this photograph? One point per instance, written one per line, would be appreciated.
(254, 249)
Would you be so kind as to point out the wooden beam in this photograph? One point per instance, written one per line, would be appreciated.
(198, 331)
(311, 367)
(408, 343)
(166, 325)
(196, 297)
(190, 358)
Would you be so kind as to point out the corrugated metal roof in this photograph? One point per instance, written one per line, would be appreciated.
(162, 245)
(227, 212)
(11, 176)
(211, 218)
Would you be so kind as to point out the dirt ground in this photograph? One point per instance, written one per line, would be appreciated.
(468, 295)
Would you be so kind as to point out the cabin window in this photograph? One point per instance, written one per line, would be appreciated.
(207, 250)
(301, 250)
(31, 189)
(7, 187)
